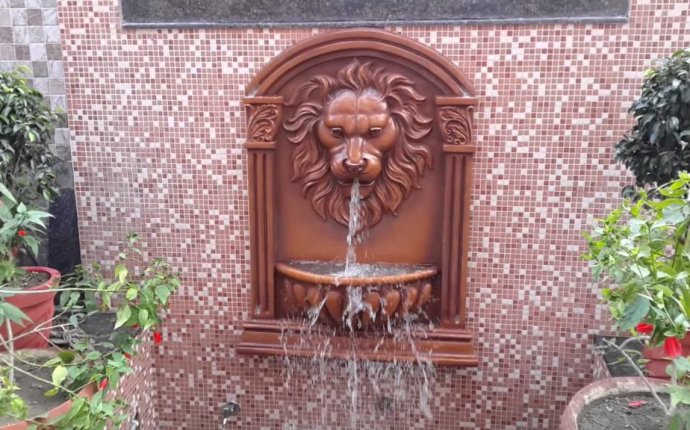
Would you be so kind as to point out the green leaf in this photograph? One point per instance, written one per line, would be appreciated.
(93, 355)
(685, 300)
(123, 315)
(676, 423)
(679, 394)
(162, 292)
(13, 313)
(80, 346)
(121, 272)
(59, 375)
(55, 361)
(78, 404)
(634, 313)
(682, 364)
(5, 192)
(106, 300)
(33, 244)
(131, 294)
(143, 317)
(66, 356)
(641, 271)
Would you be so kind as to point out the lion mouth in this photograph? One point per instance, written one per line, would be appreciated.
(361, 183)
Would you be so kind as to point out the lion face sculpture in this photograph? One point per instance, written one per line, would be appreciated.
(365, 124)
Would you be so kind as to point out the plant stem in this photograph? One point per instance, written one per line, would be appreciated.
(45, 381)
(681, 238)
(630, 340)
(674, 381)
(39, 326)
(639, 371)
(13, 354)
(9, 346)
(21, 292)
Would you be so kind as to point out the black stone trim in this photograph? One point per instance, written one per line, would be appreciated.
(365, 13)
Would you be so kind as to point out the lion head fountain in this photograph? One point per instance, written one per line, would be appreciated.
(344, 126)
(363, 124)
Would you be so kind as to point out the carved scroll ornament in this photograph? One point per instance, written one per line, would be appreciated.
(263, 122)
(456, 124)
(364, 124)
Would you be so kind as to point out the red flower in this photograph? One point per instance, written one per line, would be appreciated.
(103, 384)
(128, 356)
(21, 233)
(135, 326)
(672, 347)
(157, 337)
(644, 328)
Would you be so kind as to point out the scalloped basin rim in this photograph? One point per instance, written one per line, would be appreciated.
(298, 270)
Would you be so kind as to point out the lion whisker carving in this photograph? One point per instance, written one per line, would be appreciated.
(364, 124)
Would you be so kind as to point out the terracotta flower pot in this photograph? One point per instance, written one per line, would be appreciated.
(658, 360)
(598, 390)
(38, 307)
(53, 414)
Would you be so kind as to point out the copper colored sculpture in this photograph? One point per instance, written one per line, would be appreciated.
(383, 298)
(364, 124)
(376, 112)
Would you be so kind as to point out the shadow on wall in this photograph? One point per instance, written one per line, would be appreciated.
(63, 233)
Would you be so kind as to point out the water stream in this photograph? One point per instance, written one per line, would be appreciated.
(327, 394)
(354, 236)
(349, 393)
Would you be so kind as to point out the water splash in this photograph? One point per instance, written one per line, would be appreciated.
(322, 391)
(371, 394)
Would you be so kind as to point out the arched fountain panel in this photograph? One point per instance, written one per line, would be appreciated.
(360, 152)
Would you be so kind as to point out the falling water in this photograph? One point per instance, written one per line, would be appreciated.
(354, 236)
(321, 392)
(377, 394)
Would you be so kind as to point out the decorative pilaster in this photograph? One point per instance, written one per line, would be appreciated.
(455, 122)
(263, 119)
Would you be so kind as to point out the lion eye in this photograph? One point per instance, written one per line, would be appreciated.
(375, 131)
(337, 132)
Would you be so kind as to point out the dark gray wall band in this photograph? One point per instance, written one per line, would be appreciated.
(349, 13)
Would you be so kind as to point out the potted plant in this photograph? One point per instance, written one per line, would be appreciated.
(642, 249)
(655, 150)
(641, 254)
(632, 402)
(86, 374)
(19, 227)
(27, 178)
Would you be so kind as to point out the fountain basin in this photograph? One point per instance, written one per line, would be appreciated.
(361, 297)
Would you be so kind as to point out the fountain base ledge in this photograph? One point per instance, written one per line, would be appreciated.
(440, 346)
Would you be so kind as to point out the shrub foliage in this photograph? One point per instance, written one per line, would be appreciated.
(656, 148)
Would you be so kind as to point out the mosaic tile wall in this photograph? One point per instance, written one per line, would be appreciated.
(139, 390)
(30, 37)
(157, 131)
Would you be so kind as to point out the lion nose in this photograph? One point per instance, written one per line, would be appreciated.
(355, 167)
(354, 160)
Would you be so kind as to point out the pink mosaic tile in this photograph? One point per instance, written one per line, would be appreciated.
(157, 130)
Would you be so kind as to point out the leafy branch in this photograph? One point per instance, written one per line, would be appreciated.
(139, 302)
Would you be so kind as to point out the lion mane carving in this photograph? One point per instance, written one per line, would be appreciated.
(364, 124)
